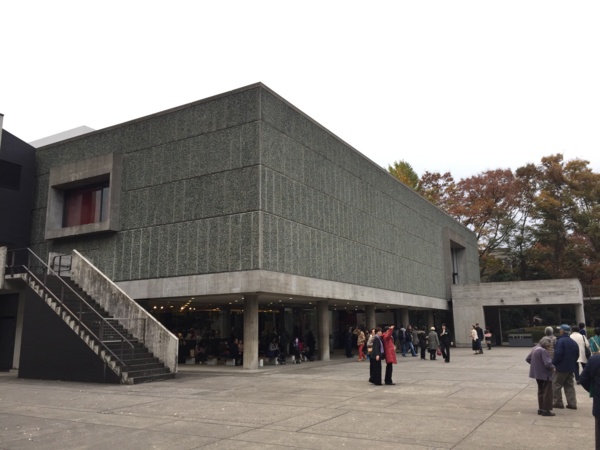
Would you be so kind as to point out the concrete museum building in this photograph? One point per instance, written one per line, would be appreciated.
(239, 211)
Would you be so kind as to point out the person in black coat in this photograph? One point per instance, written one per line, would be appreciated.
(590, 381)
(566, 353)
(348, 342)
(377, 354)
(445, 342)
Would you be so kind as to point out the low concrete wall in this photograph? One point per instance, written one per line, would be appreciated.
(469, 299)
(157, 338)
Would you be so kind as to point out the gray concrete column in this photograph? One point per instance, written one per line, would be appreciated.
(430, 321)
(579, 313)
(3, 256)
(323, 329)
(405, 317)
(226, 321)
(251, 332)
(19, 331)
(370, 316)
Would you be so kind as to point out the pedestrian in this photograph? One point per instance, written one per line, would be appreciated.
(377, 355)
(549, 332)
(474, 339)
(541, 369)
(390, 353)
(401, 340)
(595, 342)
(349, 338)
(422, 341)
(408, 344)
(360, 342)
(479, 337)
(370, 342)
(488, 337)
(590, 381)
(415, 339)
(566, 353)
(583, 344)
(445, 342)
(434, 343)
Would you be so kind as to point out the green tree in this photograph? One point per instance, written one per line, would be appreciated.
(404, 172)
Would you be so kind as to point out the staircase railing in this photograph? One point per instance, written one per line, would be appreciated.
(25, 261)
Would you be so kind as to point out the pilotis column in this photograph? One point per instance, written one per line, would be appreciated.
(323, 329)
(251, 332)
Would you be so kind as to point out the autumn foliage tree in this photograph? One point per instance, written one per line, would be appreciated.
(544, 219)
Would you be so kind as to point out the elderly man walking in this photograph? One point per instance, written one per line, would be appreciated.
(566, 353)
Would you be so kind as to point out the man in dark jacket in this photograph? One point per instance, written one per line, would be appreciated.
(566, 353)
(590, 381)
(377, 354)
(480, 336)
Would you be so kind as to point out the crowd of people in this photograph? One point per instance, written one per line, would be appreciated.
(202, 346)
(383, 344)
(555, 364)
(209, 344)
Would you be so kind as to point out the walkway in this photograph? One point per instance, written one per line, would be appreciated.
(475, 402)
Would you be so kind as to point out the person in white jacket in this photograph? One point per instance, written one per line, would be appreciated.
(582, 342)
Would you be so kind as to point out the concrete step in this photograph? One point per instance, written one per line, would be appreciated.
(152, 378)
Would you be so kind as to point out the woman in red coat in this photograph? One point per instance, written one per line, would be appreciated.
(390, 353)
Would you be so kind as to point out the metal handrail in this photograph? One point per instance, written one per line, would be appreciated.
(80, 322)
(60, 263)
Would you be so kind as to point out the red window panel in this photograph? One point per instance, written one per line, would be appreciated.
(85, 205)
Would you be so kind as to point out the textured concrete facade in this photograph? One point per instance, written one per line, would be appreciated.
(243, 182)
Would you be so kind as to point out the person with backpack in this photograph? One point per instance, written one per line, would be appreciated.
(595, 342)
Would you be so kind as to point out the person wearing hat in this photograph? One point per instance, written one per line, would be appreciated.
(434, 343)
(566, 353)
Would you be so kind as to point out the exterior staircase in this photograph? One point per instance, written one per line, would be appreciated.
(127, 356)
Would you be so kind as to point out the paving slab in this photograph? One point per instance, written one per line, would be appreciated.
(474, 402)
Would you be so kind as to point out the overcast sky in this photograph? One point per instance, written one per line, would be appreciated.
(459, 86)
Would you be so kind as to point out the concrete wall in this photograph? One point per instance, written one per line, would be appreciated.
(469, 300)
(189, 198)
(330, 213)
(244, 181)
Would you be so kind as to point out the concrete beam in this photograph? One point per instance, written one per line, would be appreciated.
(277, 283)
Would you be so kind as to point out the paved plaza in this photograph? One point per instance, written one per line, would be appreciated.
(475, 402)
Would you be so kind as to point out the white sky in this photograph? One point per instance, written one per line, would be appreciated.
(459, 86)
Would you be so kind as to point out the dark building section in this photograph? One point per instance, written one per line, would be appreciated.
(50, 352)
(8, 325)
(17, 166)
